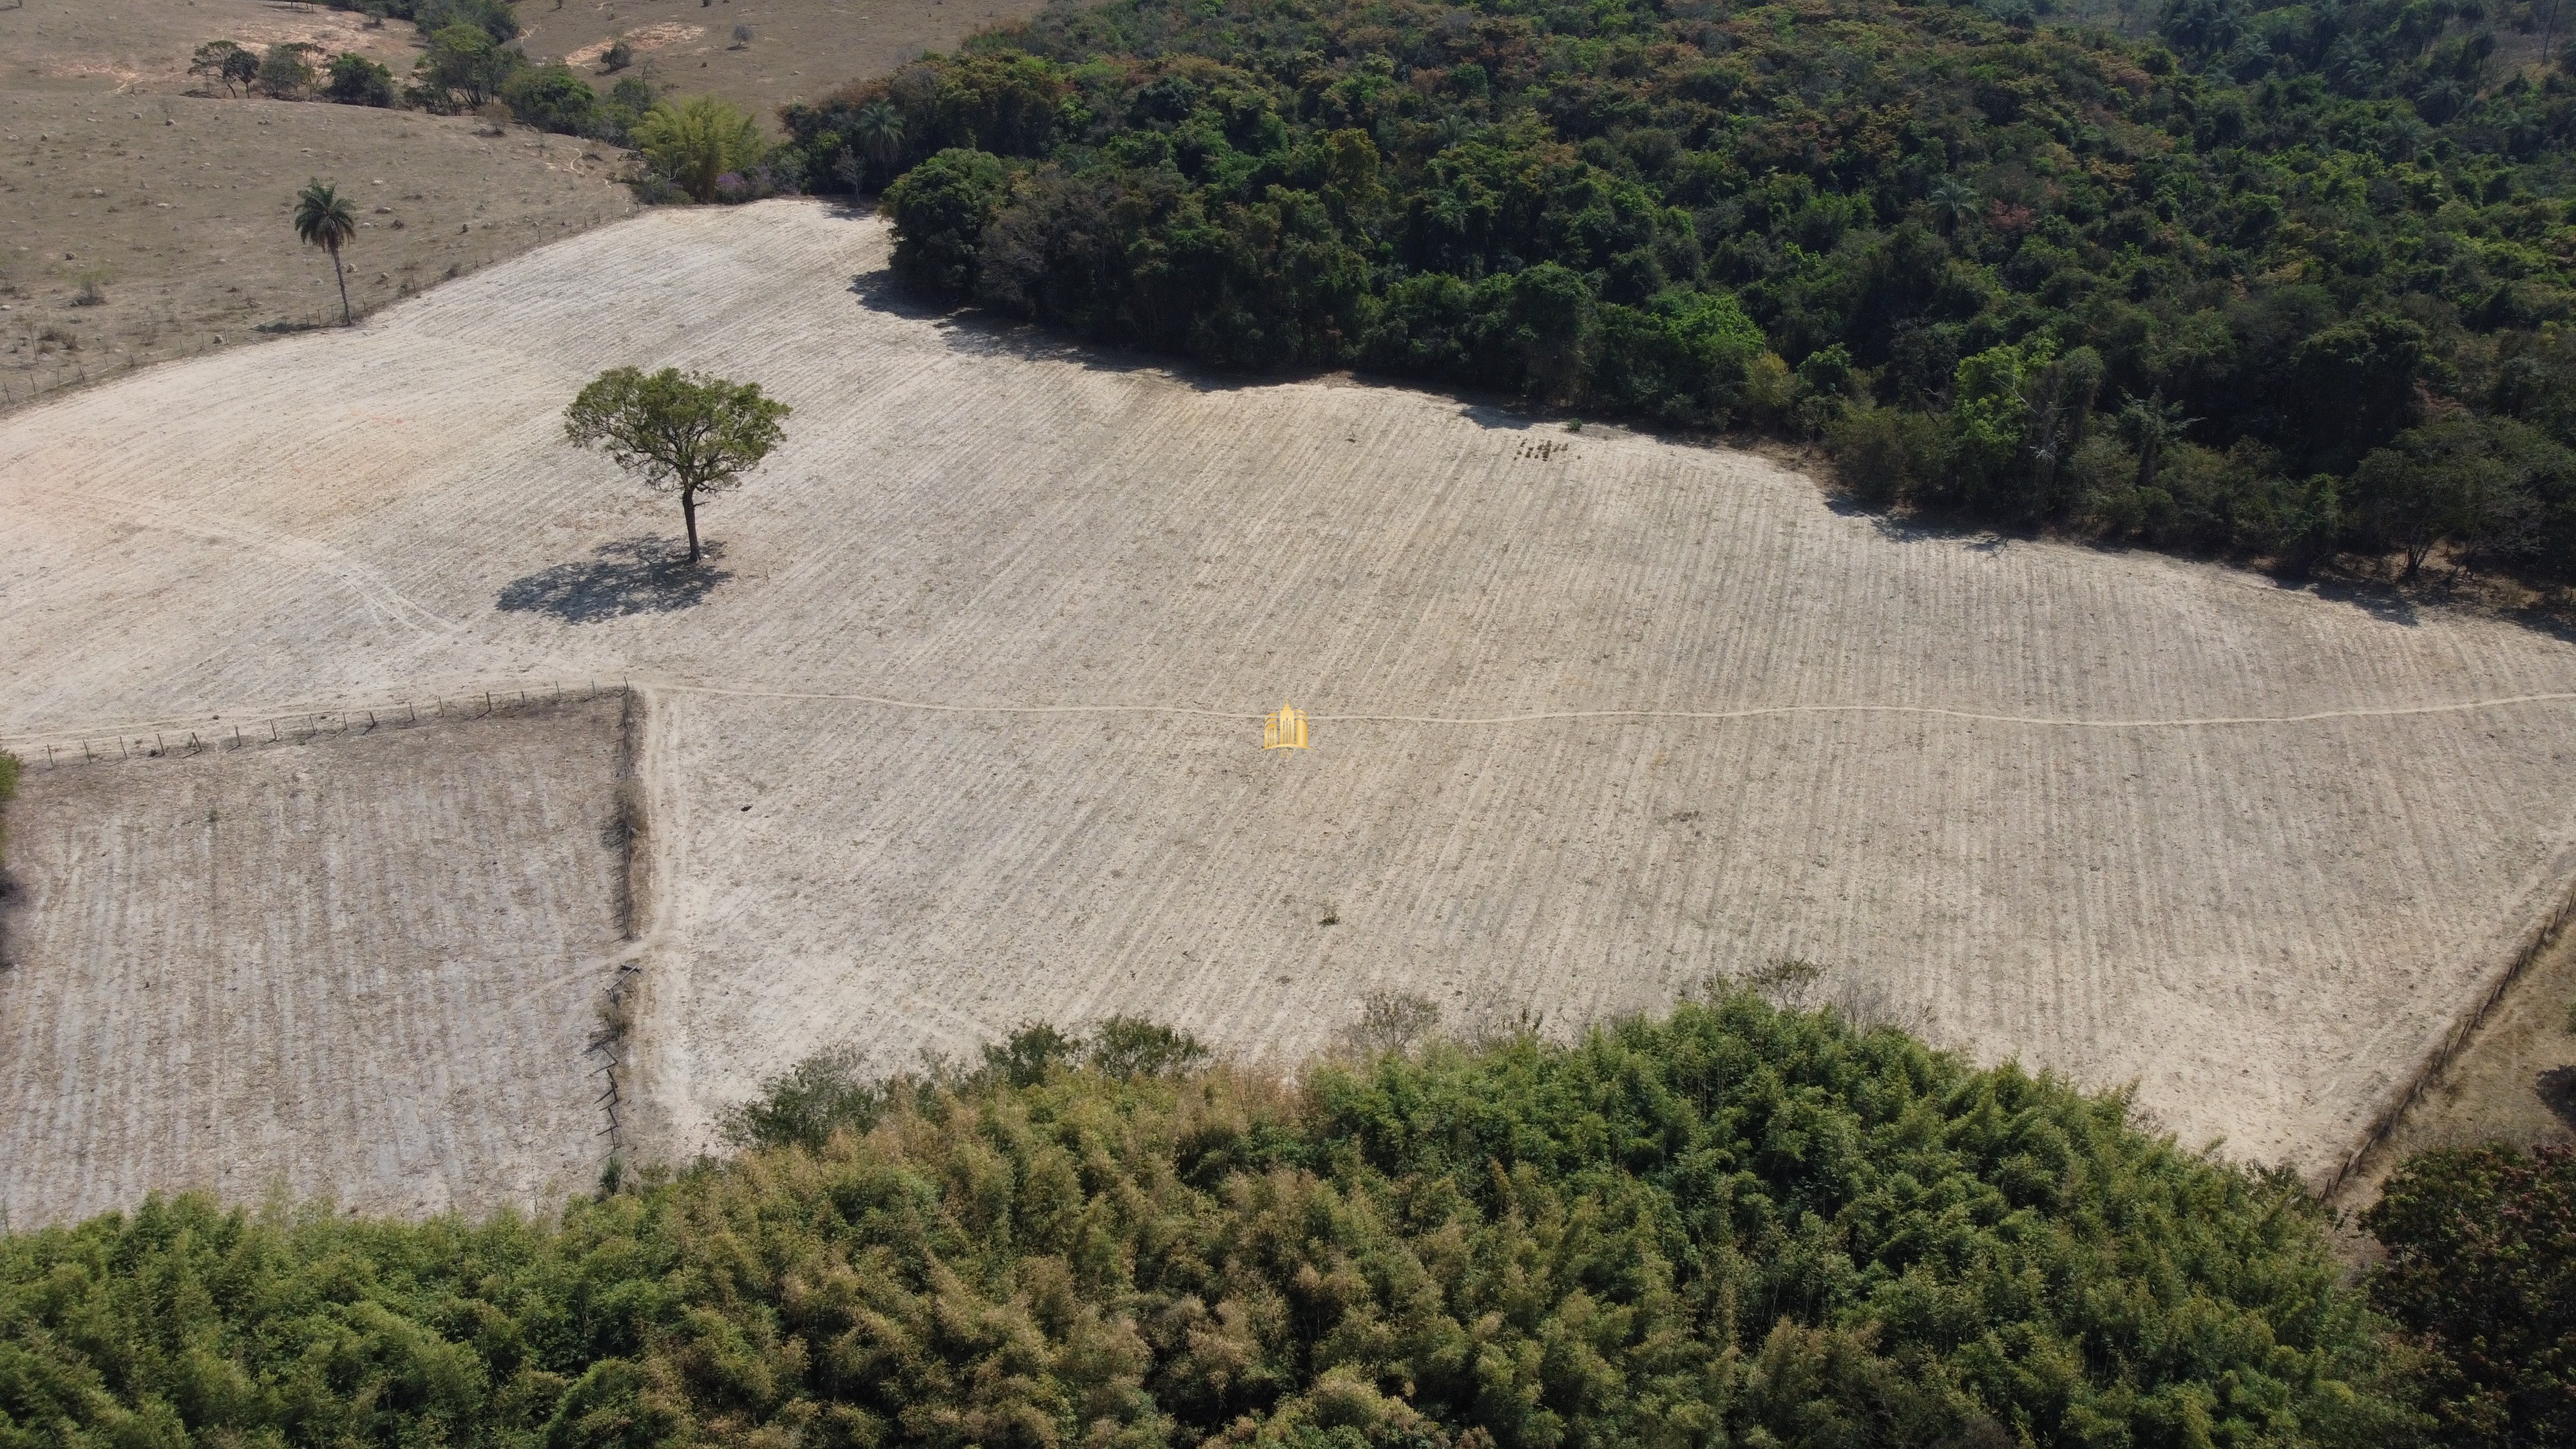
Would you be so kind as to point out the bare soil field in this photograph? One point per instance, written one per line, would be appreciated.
(365, 968)
(960, 726)
(798, 50)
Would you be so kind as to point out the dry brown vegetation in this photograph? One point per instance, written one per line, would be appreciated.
(2514, 1079)
(799, 48)
(959, 728)
(143, 222)
(170, 210)
(368, 967)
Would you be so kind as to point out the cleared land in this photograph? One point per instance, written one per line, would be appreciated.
(2131, 818)
(368, 967)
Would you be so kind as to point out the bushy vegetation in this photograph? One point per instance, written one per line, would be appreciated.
(2482, 1264)
(468, 63)
(1733, 1226)
(9, 765)
(2284, 280)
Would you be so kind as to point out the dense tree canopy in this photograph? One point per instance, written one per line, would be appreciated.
(2229, 288)
(1734, 1226)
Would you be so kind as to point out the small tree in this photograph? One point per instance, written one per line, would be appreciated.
(358, 81)
(284, 72)
(323, 219)
(692, 435)
(878, 128)
(226, 64)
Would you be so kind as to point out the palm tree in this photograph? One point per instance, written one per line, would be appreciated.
(698, 140)
(2150, 425)
(323, 219)
(879, 127)
(1954, 201)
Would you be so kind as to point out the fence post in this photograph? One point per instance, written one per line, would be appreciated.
(156, 743)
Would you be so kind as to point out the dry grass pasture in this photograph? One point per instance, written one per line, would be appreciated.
(2514, 1079)
(176, 206)
(960, 726)
(366, 967)
(799, 49)
(170, 209)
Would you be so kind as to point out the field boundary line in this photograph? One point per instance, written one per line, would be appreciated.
(2464, 706)
(200, 734)
(1748, 712)
(2455, 1039)
(203, 732)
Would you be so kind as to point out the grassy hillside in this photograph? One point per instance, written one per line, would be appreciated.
(1730, 1226)
(2286, 281)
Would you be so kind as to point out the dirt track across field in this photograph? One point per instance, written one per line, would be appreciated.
(368, 967)
(2125, 817)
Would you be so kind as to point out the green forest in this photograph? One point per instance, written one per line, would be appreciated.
(2284, 282)
(1730, 1226)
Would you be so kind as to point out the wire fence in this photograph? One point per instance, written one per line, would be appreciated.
(218, 733)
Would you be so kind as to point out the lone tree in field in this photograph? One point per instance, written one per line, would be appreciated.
(692, 435)
(323, 219)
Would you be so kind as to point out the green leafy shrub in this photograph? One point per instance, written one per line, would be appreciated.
(1733, 1226)
(358, 81)
(695, 142)
(2482, 1263)
(940, 209)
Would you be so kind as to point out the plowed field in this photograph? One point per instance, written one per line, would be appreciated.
(961, 726)
(365, 967)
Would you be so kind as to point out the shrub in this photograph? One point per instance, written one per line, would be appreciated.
(9, 769)
(2482, 1263)
(803, 1106)
(552, 98)
(494, 18)
(1884, 455)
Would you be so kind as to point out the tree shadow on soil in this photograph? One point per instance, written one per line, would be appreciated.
(632, 576)
(2380, 601)
(2557, 1089)
(972, 329)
